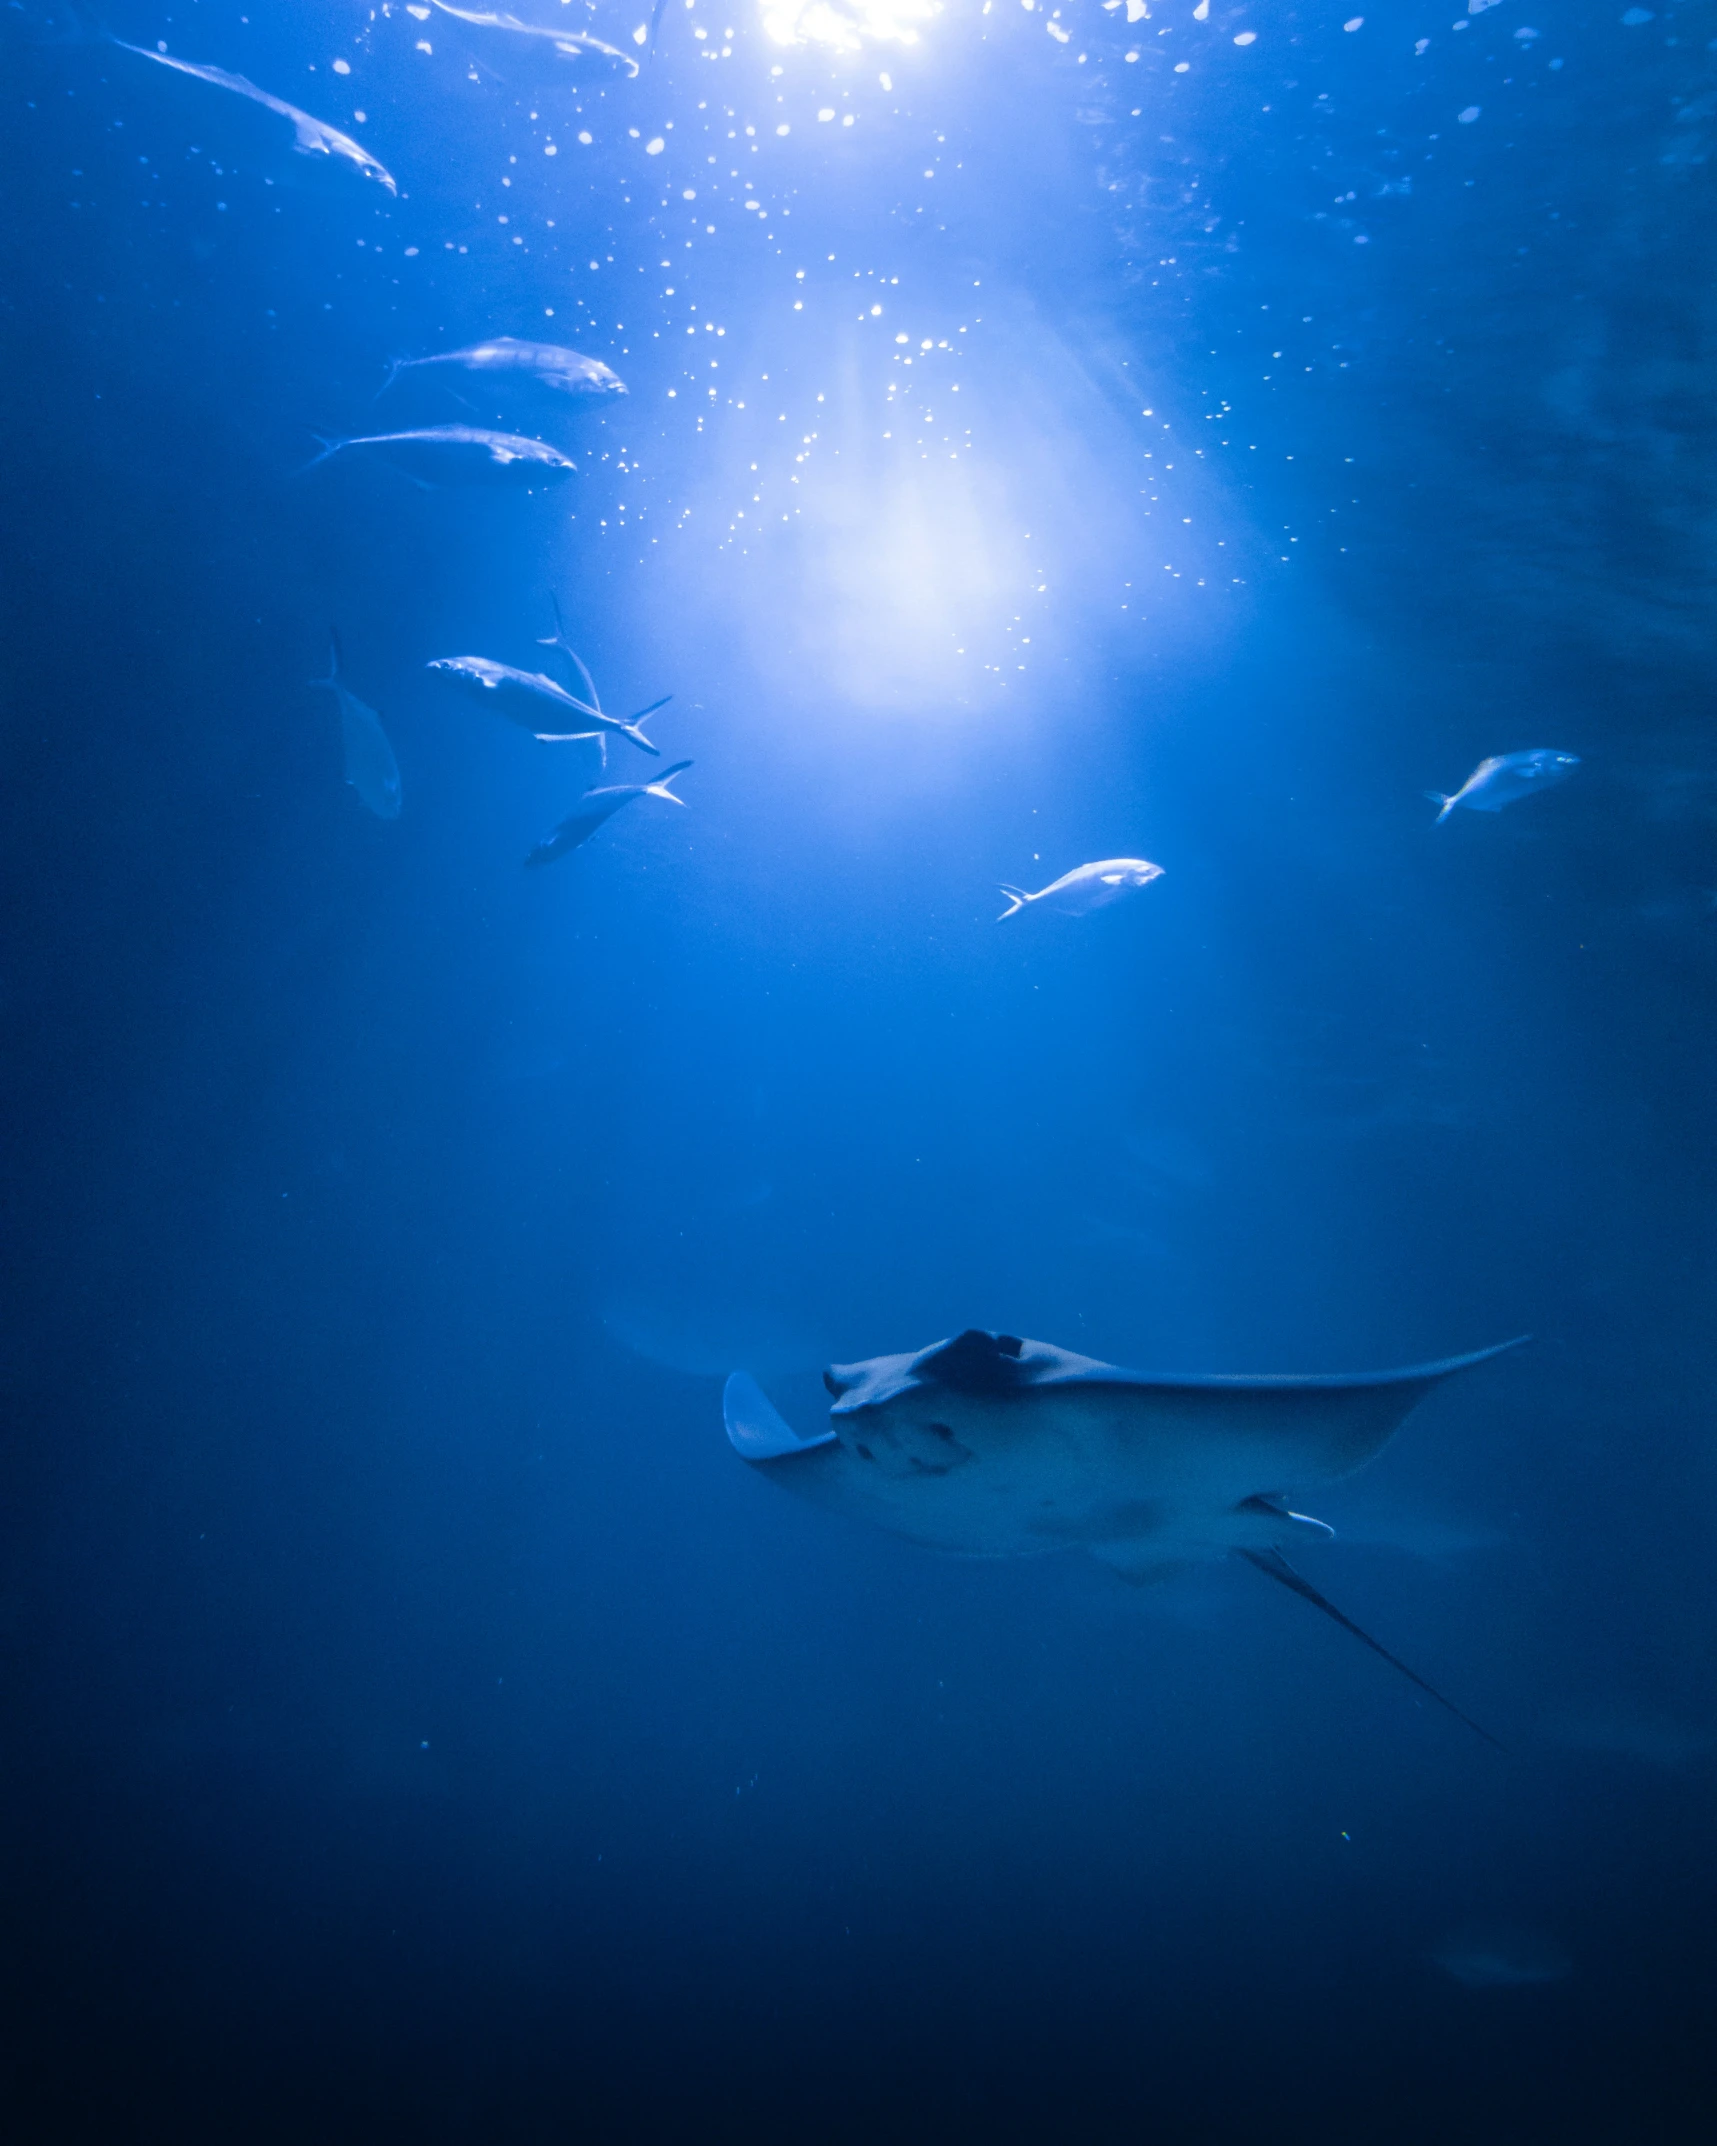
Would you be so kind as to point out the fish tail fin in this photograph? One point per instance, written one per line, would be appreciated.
(72, 23)
(1017, 899)
(329, 445)
(659, 788)
(1436, 797)
(1276, 1567)
(336, 660)
(631, 730)
(77, 25)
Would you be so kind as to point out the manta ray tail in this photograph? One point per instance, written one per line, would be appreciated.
(1017, 899)
(1277, 1567)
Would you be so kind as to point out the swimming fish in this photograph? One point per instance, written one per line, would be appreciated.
(311, 137)
(1500, 780)
(596, 806)
(461, 454)
(1497, 1956)
(990, 1446)
(520, 697)
(559, 642)
(371, 768)
(550, 363)
(1087, 887)
(568, 44)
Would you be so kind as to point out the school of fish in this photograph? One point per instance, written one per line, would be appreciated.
(458, 454)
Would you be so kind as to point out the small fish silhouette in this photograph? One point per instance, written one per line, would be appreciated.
(596, 806)
(1087, 887)
(311, 137)
(1499, 781)
(460, 454)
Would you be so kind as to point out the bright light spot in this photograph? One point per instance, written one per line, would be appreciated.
(1247, 37)
(341, 68)
(828, 112)
(585, 139)
(846, 24)
(783, 128)
(898, 338)
(874, 311)
(690, 194)
(1181, 66)
(641, 35)
(1467, 117)
(1201, 13)
(654, 146)
(1357, 22)
(1137, 11)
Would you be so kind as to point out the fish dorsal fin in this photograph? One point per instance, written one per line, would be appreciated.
(975, 1362)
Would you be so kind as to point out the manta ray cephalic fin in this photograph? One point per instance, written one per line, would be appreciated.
(1276, 1566)
(756, 1429)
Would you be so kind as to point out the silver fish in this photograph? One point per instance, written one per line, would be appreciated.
(461, 454)
(550, 363)
(521, 697)
(1087, 887)
(1503, 778)
(567, 44)
(990, 1446)
(371, 768)
(597, 806)
(1496, 1956)
(311, 137)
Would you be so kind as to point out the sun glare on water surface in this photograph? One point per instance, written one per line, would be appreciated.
(847, 25)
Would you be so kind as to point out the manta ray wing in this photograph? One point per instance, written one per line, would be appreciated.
(992, 1446)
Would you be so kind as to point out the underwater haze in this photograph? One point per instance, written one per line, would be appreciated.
(504, 927)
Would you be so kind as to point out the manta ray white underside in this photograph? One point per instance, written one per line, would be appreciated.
(990, 1446)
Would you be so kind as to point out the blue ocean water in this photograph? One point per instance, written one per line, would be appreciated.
(1051, 434)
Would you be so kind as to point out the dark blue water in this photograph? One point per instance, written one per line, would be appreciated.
(420, 1724)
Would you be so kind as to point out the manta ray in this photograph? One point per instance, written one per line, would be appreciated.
(990, 1446)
